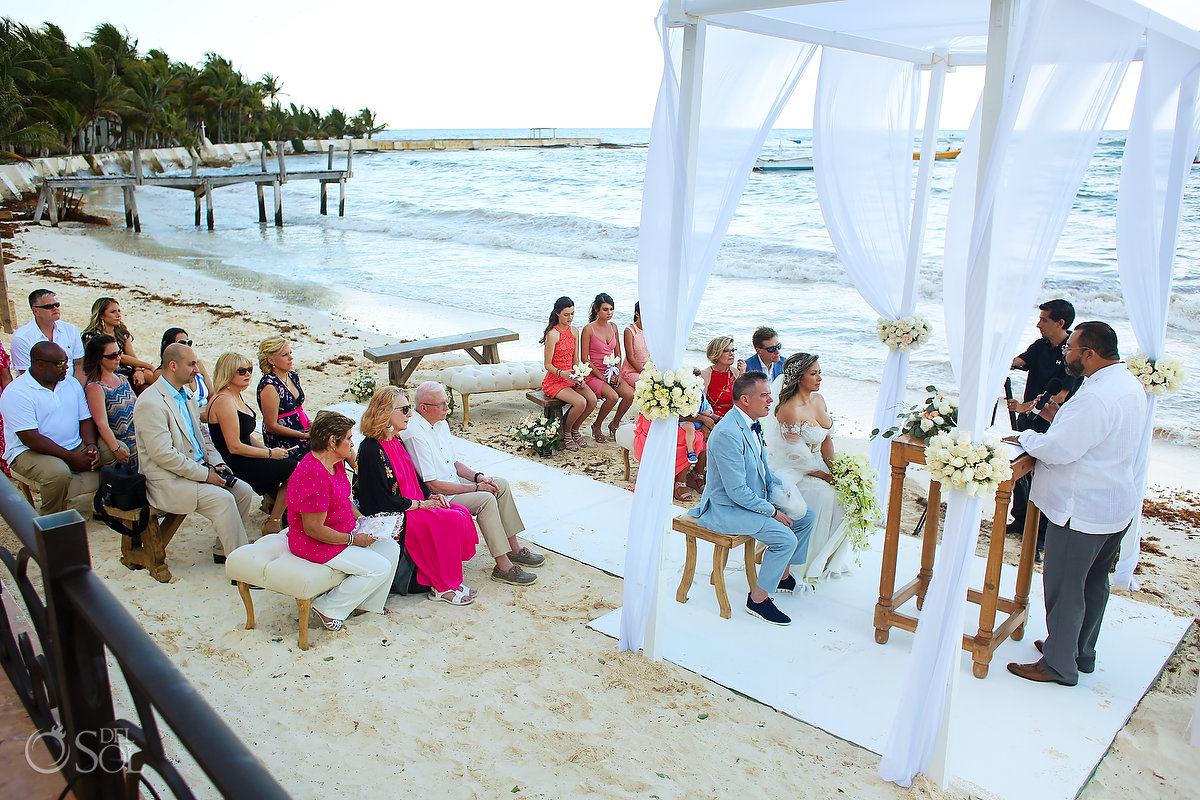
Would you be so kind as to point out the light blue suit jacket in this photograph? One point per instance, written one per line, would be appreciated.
(735, 493)
(755, 363)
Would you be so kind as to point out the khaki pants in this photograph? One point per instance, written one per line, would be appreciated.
(52, 476)
(228, 510)
(497, 517)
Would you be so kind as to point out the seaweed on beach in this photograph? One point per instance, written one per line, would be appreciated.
(1178, 509)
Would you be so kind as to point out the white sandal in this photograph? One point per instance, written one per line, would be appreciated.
(462, 596)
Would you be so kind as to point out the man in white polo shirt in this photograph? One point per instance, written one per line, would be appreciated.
(489, 499)
(1084, 484)
(48, 430)
(47, 326)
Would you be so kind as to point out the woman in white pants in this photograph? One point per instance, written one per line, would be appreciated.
(321, 526)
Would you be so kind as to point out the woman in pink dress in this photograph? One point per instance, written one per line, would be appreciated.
(5, 379)
(600, 340)
(560, 357)
(438, 536)
(636, 353)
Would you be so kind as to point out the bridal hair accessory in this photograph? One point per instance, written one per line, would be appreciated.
(793, 371)
(854, 485)
(1158, 376)
(674, 393)
(952, 458)
(938, 414)
(906, 333)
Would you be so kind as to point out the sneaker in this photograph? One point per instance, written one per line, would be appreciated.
(767, 612)
(692, 457)
(527, 558)
(788, 584)
(516, 576)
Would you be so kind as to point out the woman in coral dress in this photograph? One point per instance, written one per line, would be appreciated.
(561, 356)
(600, 340)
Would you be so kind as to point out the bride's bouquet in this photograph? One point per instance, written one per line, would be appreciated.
(906, 333)
(854, 485)
(675, 393)
(952, 458)
(1158, 376)
(938, 415)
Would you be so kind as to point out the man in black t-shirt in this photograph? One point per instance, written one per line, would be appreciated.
(1048, 386)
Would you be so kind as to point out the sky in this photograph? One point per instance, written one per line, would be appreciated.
(462, 64)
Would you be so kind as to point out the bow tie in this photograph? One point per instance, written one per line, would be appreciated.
(757, 428)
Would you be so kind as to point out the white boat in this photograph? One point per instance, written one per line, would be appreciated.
(783, 164)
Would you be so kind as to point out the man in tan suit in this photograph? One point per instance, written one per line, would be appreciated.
(179, 461)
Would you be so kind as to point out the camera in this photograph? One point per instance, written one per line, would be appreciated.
(227, 475)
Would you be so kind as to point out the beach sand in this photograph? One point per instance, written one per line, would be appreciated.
(513, 695)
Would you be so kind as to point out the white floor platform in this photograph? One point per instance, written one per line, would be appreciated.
(1013, 739)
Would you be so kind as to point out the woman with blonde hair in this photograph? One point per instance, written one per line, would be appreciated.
(438, 536)
(281, 398)
(231, 423)
(718, 378)
(106, 319)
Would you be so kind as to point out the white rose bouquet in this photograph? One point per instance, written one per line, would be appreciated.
(362, 386)
(1158, 376)
(952, 458)
(536, 432)
(906, 333)
(581, 371)
(674, 393)
(854, 485)
(939, 413)
(612, 364)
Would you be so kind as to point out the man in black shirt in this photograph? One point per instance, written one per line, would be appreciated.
(1048, 385)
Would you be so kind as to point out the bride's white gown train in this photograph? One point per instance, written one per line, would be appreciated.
(793, 452)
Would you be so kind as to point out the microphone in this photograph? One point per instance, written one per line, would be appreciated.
(1053, 387)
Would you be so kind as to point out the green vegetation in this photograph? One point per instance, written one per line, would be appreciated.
(56, 98)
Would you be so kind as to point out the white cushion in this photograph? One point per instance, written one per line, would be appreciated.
(625, 436)
(269, 563)
(506, 377)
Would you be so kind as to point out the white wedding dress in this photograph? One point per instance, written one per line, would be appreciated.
(791, 455)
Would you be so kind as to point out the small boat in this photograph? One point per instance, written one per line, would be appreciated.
(940, 154)
(801, 163)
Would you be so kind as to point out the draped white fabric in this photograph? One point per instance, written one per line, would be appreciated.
(866, 108)
(1001, 234)
(719, 128)
(1158, 158)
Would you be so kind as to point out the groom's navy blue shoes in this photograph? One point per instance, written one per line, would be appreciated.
(788, 584)
(767, 612)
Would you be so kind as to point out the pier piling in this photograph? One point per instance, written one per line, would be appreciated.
(262, 205)
(278, 205)
(208, 203)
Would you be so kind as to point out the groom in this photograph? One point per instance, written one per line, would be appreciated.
(735, 497)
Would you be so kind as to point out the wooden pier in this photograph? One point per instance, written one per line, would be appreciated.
(201, 187)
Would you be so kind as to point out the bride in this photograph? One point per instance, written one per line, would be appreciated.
(799, 450)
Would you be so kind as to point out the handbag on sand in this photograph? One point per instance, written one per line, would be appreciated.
(121, 487)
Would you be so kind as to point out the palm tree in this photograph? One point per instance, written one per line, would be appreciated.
(365, 122)
(335, 123)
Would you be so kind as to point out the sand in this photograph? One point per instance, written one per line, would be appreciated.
(512, 695)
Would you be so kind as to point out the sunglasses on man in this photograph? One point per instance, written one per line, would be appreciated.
(49, 306)
(774, 349)
(59, 364)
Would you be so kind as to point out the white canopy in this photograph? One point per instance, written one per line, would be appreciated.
(1053, 70)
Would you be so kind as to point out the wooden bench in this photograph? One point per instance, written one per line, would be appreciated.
(722, 543)
(394, 354)
(554, 409)
(148, 550)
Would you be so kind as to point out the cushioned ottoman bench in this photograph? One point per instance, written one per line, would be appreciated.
(477, 378)
(270, 564)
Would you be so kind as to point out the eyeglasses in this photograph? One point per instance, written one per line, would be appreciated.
(443, 404)
(1067, 349)
(403, 409)
(729, 350)
(49, 306)
(245, 370)
(187, 342)
(62, 362)
(774, 349)
(112, 356)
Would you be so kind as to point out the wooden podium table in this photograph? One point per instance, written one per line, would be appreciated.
(905, 451)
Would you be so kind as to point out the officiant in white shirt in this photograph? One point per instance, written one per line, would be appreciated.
(1084, 483)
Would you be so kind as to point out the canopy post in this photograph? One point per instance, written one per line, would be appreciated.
(691, 85)
(916, 235)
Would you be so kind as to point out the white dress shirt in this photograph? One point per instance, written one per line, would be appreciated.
(432, 449)
(24, 338)
(1084, 475)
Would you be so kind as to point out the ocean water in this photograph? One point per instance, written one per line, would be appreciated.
(508, 231)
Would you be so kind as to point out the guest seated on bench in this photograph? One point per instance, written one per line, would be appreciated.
(281, 398)
(231, 426)
(184, 472)
(600, 340)
(106, 320)
(199, 385)
(110, 397)
(561, 356)
(439, 536)
(321, 522)
(48, 429)
(718, 378)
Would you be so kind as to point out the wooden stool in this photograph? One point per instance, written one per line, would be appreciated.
(983, 644)
(722, 543)
(554, 409)
(148, 549)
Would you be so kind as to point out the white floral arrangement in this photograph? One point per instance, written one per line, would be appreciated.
(580, 371)
(854, 485)
(535, 431)
(906, 333)
(938, 414)
(674, 393)
(362, 386)
(952, 458)
(1158, 376)
(612, 363)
